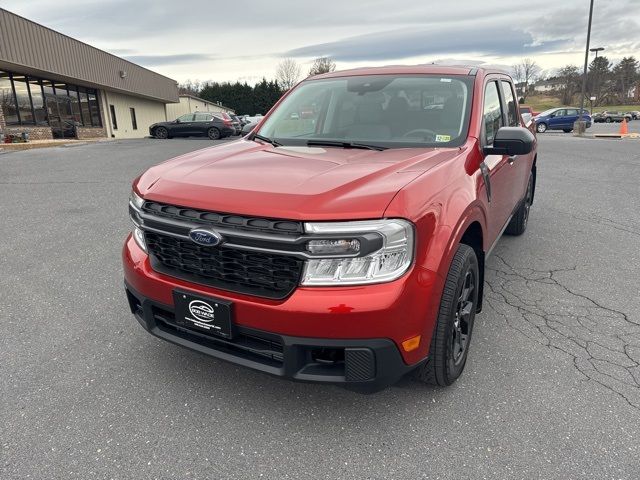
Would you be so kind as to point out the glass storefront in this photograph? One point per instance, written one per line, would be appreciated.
(8, 100)
(27, 100)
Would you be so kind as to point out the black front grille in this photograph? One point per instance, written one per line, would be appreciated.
(239, 222)
(254, 273)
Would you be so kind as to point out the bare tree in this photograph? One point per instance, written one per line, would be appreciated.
(288, 73)
(526, 72)
(190, 87)
(571, 80)
(322, 65)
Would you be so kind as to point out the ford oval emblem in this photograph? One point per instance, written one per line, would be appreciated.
(205, 237)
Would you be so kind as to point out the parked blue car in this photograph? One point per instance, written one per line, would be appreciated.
(560, 119)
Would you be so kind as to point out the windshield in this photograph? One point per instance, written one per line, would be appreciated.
(380, 110)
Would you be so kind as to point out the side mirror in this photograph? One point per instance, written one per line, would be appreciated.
(177, 120)
(511, 141)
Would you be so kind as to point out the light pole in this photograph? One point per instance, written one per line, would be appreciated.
(591, 97)
(580, 125)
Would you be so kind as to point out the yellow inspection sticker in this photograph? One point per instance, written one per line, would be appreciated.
(443, 138)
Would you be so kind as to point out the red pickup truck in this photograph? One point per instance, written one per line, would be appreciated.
(344, 240)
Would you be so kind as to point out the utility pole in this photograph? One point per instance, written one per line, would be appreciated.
(580, 126)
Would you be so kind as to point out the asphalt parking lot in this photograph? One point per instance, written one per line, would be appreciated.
(551, 390)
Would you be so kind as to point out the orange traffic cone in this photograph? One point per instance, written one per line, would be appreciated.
(624, 129)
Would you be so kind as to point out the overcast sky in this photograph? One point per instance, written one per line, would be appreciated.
(245, 39)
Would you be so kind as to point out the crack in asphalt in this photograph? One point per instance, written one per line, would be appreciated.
(599, 220)
(603, 342)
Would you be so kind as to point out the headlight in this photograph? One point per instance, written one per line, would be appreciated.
(383, 265)
(138, 235)
(136, 200)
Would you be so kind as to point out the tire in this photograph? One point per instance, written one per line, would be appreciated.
(541, 127)
(213, 133)
(567, 130)
(607, 120)
(518, 223)
(161, 133)
(449, 345)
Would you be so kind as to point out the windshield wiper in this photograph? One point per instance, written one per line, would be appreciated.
(266, 139)
(334, 143)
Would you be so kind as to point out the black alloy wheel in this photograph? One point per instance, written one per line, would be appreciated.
(213, 133)
(463, 321)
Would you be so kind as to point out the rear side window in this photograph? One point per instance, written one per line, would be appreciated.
(203, 117)
(510, 103)
(492, 113)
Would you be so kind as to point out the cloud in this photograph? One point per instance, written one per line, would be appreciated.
(155, 60)
(246, 38)
(415, 42)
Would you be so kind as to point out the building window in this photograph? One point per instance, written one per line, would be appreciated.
(26, 100)
(47, 87)
(134, 122)
(84, 107)
(93, 107)
(37, 99)
(75, 104)
(114, 120)
(23, 99)
(8, 100)
(61, 89)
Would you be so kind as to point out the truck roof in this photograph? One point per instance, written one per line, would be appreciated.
(415, 69)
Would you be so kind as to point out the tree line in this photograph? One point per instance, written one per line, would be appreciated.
(247, 99)
(610, 84)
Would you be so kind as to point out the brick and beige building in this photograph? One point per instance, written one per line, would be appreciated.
(53, 86)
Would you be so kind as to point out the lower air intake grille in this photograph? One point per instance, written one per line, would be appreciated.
(360, 364)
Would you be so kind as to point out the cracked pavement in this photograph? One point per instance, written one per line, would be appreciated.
(551, 389)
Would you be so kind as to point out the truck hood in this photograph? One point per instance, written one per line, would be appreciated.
(304, 183)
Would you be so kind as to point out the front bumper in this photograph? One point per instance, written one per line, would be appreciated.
(365, 364)
(226, 131)
(376, 317)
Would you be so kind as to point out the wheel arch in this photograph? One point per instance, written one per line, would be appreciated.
(471, 231)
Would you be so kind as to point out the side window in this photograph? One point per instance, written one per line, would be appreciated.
(560, 113)
(492, 113)
(134, 120)
(114, 121)
(202, 117)
(572, 112)
(510, 102)
(187, 117)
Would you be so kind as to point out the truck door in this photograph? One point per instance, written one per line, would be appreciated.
(496, 167)
(520, 165)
